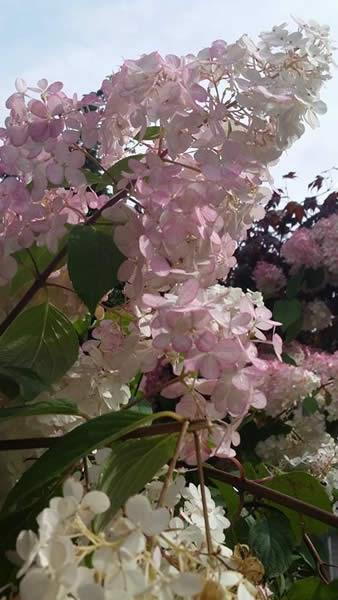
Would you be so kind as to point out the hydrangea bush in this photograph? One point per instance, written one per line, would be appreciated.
(128, 353)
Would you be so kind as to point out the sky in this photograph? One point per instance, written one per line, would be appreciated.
(81, 41)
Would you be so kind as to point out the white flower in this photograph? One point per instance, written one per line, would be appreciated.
(151, 521)
(173, 493)
(193, 512)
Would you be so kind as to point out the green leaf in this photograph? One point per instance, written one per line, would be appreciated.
(93, 262)
(57, 406)
(287, 312)
(306, 488)
(26, 272)
(151, 133)
(20, 383)
(294, 284)
(288, 359)
(309, 406)
(122, 166)
(42, 339)
(312, 588)
(271, 539)
(47, 472)
(293, 330)
(255, 471)
(82, 325)
(229, 496)
(131, 465)
(314, 278)
(99, 180)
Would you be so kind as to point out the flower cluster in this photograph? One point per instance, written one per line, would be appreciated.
(315, 247)
(316, 316)
(144, 552)
(181, 148)
(307, 445)
(286, 385)
(269, 278)
(301, 250)
(218, 120)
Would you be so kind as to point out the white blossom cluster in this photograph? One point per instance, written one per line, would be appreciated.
(145, 552)
(307, 447)
(316, 316)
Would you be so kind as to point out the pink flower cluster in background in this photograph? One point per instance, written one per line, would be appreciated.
(222, 117)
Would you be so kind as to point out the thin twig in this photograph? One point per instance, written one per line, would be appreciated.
(41, 280)
(86, 473)
(36, 268)
(202, 486)
(173, 462)
(185, 166)
(321, 566)
(149, 431)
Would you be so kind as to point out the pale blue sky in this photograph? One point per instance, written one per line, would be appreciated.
(79, 41)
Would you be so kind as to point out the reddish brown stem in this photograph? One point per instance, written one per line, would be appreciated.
(239, 483)
(260, 491)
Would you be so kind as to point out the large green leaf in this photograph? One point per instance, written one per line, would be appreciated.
(47, 472)
(287, 312)
(151, 133)
(312, 588)
(131, 465)
(99, 180)
(122, 166)
(294, 284)
(271, 539)
(28, 260)
(229, 497)
(93, 262)
(56, 406)
(308, 489)
(42, 339)
(20, 383)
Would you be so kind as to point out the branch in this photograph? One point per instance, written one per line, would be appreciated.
(43, 276)
(149, 431)
(239, 483)
(260, 491)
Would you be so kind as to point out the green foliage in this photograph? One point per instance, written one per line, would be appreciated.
(271, 539)
(43, 479)
(229, 496)
(288, 359)
(314, 278)
(131, 465)
(93, 262)
(41, 339)
(56, 406)
(306, 488)
(99, 181)
(20, 383)
(294, 284)
(29, 261)
(122, 166)
(288, 312)
(256, 471)
(151, 133)
(53, 465)
(309, 406)
(312, 588)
